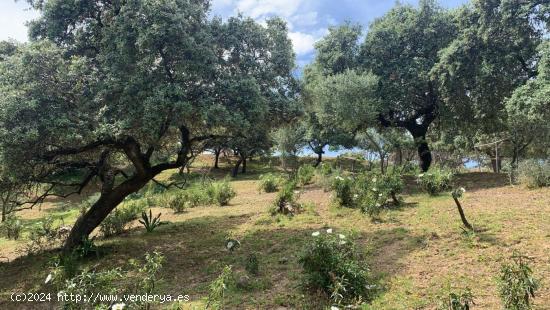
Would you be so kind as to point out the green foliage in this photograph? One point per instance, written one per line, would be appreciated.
(534, 173)
(12, 227)
(177, 202)
(148, 272)
(285, 202)
(220, 192)
(325, 169)
(435, 181)
(150, 222)
(252, 265)
(269, 183)
(87, 247)
(42, 235)
(116, 222)
(332, 265)
(516, 283)
(304, 175)
(343, 191)
(216, 294)
(457, 300)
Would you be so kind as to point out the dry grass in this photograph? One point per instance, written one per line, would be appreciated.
(414, 251)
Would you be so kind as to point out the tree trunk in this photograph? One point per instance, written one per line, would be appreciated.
(217, 152)
(424, 153)
(235, 169)
(319, 159)
(108, 201)
(382, 156)
(494, 164)
(462, 216)
(243, 170)
(3, 214)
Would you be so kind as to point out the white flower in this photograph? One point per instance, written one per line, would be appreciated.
(315, 234)
(462, 189)
(378, 204)
(334, 308)
(230, 244)
(342, 242)
(48, 278)
(119, 306)
(341, 236)
(374, 179)
(329, 231)
(355, 196)
(296, 192)
(339, 178)
(374, 189)
(421, 175)
(380, 195)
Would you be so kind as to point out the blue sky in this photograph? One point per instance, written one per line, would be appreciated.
(308, 20)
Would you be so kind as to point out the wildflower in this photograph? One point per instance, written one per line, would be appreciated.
(339, 178)
(374, 189)
(48, 278)
(462, 189)
(329, 231)
(374, 179)
(341, 236)
(334, 308)
(315, 234)
(421, 175)
(119, 306)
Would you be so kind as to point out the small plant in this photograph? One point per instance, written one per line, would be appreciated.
(216, 295)
(252, 264)
(148, 272)
(516, 283)
(305, 174)
(324, 169)
(534, 173)
(285, 202)
(87, 247)
(220, 192)
(457, 300)
(12, 227)
(42, 236)
(269, 183)
(332, 265)
(435, 181)
(150, 222)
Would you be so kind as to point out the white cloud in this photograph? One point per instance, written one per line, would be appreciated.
(303, 43)
(306, 19)
(259, 9)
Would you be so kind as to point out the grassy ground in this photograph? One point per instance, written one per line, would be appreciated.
(415, 251)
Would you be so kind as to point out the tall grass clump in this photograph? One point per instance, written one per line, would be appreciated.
(285, 202)
(435, 181)
(332, 265)
(534, 173)
(220, 192)
(12, 227)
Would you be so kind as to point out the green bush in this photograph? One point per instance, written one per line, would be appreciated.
(286, 198)
(343, 191)
(374, 190)
(324, 169)
(12, 227)
(216, 295)
(43, 235)
(220, 192)
(269, 183)
(305, 174)
(331, 265)
(435, 181)
(516, 283)
(534, 173)
(119, 218)
(457, 300)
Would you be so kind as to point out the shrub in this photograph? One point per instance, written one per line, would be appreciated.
(331, 265)
(12, 227)
(119, 218)
(42, 235)
(220, 192)
(343, 190)
(216, 295)
(304, 175)
(435, 181)
(534, 173)
(269, 183)
(177, 202)
(285, 202)
(150, 222)
(516, 284)
(324, 169)
(457, 300)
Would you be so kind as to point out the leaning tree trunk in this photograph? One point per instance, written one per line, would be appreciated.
(106, 203)
(462, 216)
(235, 169)
(243, 170)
